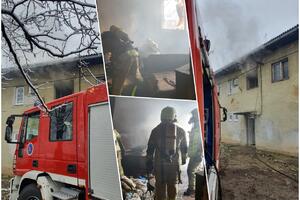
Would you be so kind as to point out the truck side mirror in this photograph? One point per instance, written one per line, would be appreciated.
(9, 129)
(224, 110)
(8, 134)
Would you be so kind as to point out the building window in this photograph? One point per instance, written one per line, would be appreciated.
(63, 88)
(173, 14)
(280, 70)
(233, 117)
(230, 117)
(32, 128)
(61, 125)
(19, 96)
(233, 86)
(252, 79)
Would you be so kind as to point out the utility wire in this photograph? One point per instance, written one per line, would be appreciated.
(269, 166)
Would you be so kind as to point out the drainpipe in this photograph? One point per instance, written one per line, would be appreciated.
(261, 90)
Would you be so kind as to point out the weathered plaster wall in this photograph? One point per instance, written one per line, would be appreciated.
(276, 104)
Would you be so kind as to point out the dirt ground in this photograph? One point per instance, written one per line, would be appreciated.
(245, 175)
(4, 187)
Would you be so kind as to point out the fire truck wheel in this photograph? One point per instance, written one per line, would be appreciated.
(30, 192)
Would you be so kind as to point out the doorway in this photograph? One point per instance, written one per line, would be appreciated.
(250, 121)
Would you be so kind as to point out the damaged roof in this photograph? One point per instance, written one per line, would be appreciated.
(283, 39)
(66, 64)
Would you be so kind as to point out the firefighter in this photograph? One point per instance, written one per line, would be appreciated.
(119, 150)
(124, 59)
(194, 152)
(167, 149)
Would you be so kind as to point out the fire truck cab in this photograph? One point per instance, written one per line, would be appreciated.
(67, 153)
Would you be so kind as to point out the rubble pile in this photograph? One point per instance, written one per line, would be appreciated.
(135, 188)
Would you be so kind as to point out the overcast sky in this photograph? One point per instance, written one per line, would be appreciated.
(236, 27)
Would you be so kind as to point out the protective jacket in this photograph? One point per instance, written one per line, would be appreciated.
(195, 146)
(167, 145)
(125, 67)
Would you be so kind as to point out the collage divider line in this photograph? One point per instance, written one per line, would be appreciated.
(108, 97)
(192, 63)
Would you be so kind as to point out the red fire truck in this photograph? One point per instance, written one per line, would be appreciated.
(207, 98)
(58, 153)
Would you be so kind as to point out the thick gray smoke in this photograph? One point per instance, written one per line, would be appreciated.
(142, 20)
(231, 31)
(236, 27)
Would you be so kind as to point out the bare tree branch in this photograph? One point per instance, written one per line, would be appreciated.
(52, 28)
(20, 67)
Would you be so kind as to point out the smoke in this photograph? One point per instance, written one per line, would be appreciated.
(142, 20)
(237, 27)
(135, 118)
(234, 33)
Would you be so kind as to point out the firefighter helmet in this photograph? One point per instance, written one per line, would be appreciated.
(168, 114)
(194, 112)
(194, 116)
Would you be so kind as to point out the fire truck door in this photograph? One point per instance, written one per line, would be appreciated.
(103, 169)
(58, 152)
(28, 152)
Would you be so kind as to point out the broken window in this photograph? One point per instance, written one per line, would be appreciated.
(61, 125)
(280, 71)
(252, 79)
(63, 88)
(19, 96)
(32, 128)
(173, 14)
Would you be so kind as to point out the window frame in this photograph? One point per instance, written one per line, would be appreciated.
(16, 96)
(57, 86)
(163, 21)
(247, 81)
(232, 84)
(26, 125)
(282, 78)
(72, 134)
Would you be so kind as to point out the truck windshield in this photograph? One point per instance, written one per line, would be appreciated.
(32, 128)
(61, 123)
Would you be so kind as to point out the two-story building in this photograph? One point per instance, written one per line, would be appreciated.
(53, 80)
(260, 91)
